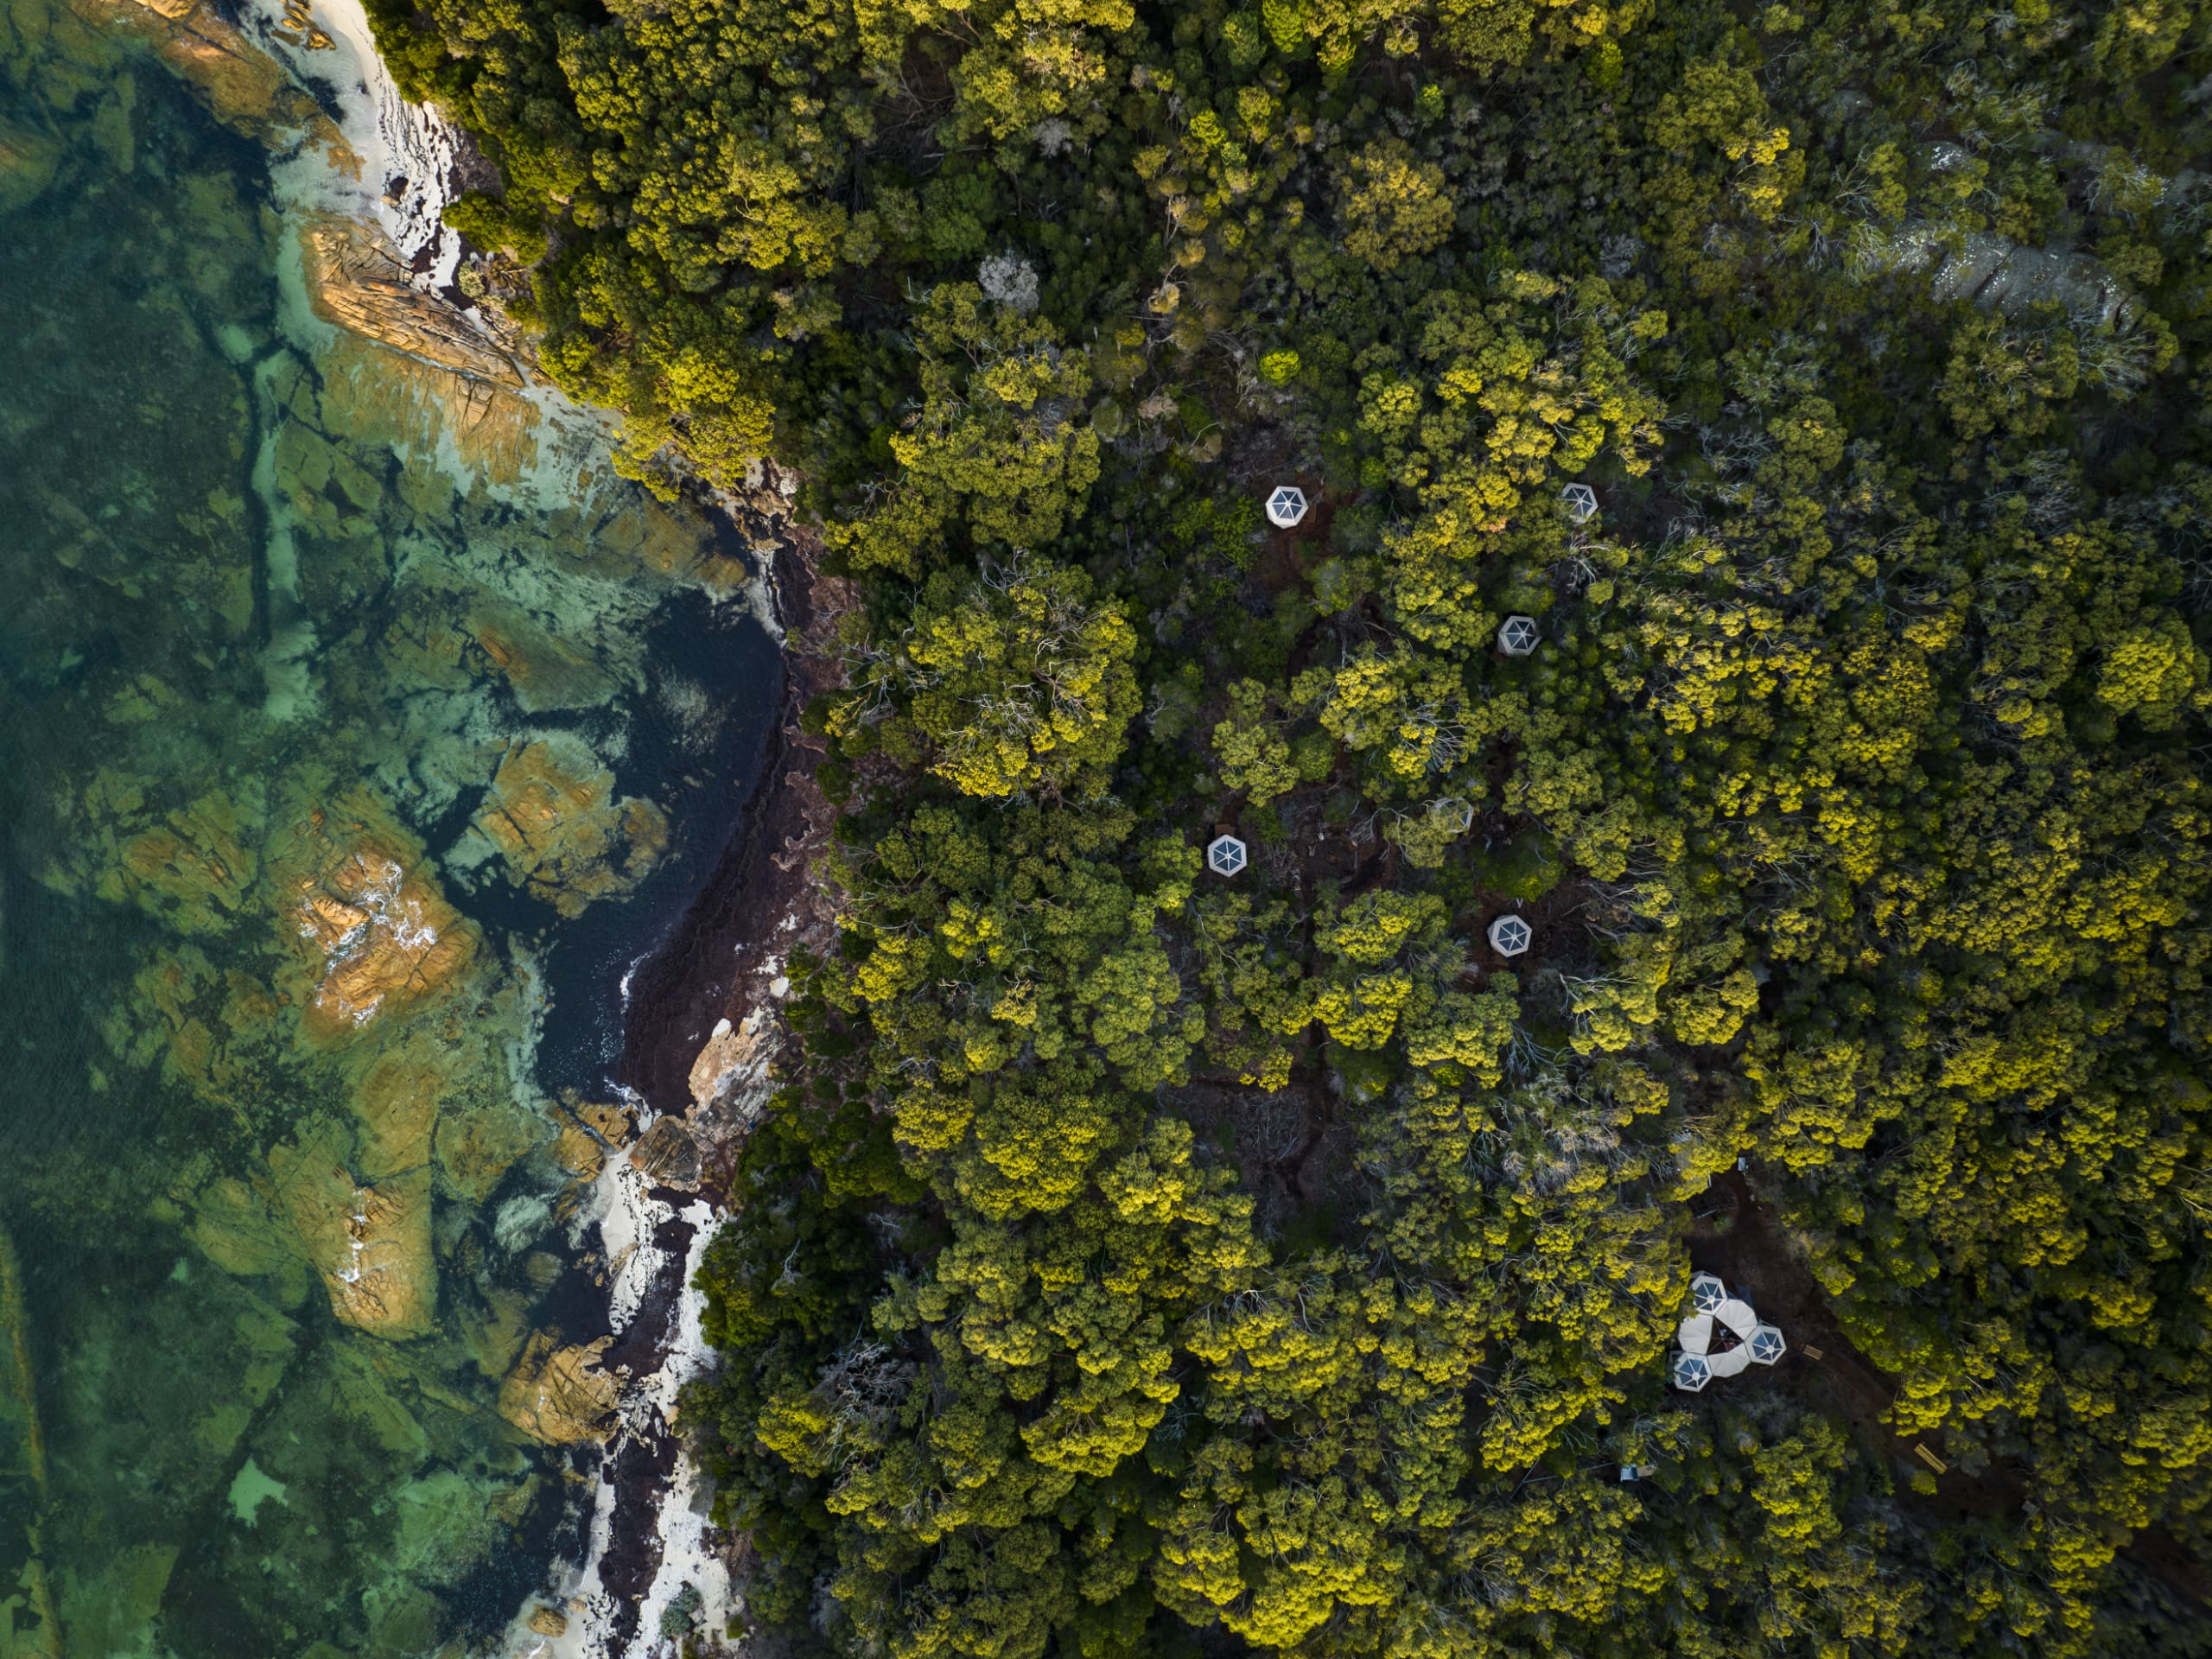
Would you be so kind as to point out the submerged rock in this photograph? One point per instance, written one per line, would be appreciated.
(494, 1339)
(397, 1102)
(29, 159)
(481, 1138)
(375, 394)
(243, 86)
(379, 930)
(371, 1243)
(545, 672)
(193, 869)
(558, 1395)
(109, 1611)
(231, 1222)
(448, 1523)
(357, 1384)
(552, 814)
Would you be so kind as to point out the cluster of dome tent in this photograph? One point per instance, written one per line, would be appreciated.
(1517, 636)
(1227, 855)
(1721, 1336)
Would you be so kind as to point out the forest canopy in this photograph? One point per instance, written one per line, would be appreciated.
(1135, 1261)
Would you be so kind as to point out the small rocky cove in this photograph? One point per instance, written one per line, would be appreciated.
(376, 754)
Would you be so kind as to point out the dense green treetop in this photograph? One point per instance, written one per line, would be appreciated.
(1135, 1261)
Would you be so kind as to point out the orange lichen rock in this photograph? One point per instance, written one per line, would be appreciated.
(579, 1153)
(357, 280)
(371, 1243)
(552, 815)
(376, 929)
(384, 935)
(377, 393)
(588, 1129)
(610, 1120)
(560, 1396)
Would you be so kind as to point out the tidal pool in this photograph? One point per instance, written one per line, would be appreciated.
(344, 774)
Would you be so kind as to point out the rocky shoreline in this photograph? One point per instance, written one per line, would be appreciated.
(700, 1021)
(700, 1033)
(721, 962)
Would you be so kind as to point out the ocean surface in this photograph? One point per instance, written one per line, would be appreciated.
(342, 786)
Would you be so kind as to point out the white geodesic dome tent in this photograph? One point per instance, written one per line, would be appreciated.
(1225, 855)
(1286, 507)
(1509, 936)
(1580, 502)
(1517, 635)
(1721, 1336)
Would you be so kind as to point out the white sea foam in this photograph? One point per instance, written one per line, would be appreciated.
(407, 151)
(627, 1216)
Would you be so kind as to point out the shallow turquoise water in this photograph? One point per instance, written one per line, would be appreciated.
(284, 1003)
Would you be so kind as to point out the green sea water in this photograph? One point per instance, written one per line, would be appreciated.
(341, 781)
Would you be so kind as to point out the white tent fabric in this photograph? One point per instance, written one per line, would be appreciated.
(1737, 1315)
(1734, 1362)
(1715, 1315)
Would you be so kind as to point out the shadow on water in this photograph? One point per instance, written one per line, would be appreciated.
(702, 654)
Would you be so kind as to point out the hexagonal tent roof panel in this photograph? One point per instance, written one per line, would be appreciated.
(1690, 1372)
(1517, 635)
(1509, 936)
(1286, 507)
(1225, 855)
(1706, 1292)
(1580, 502)
(1766, 1345)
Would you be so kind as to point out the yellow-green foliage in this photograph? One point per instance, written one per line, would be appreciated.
(1137, 1260)
(1019, 681)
